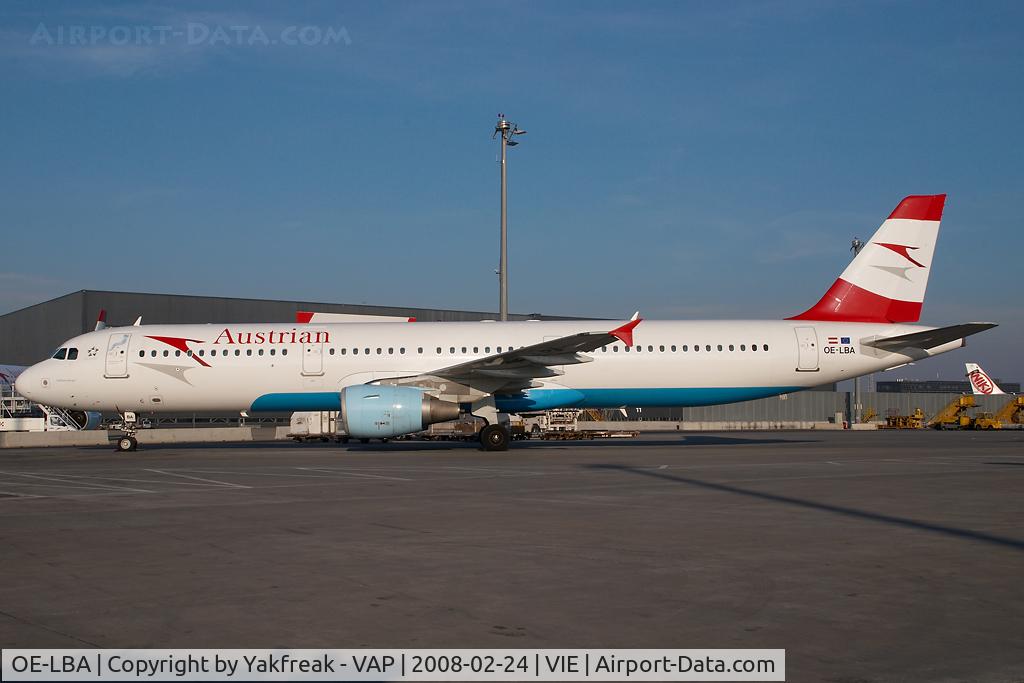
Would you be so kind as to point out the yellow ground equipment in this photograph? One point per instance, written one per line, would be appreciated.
(915, 421)
(954, 415)
(1012, 412)
(985, 421)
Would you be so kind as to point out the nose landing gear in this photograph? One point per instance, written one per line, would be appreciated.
(128, 442)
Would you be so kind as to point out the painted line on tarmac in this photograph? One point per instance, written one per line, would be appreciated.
(350, 473)
(87, 486)
(225, 484)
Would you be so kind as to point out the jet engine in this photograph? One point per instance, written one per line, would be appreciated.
(86, 419)
(379, 412)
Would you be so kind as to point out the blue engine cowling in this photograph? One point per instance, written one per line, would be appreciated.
(378, 412)
(86, 419)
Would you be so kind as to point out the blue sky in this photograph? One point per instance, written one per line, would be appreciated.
(688, 159)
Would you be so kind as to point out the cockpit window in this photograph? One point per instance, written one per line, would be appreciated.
(61, 354)
(72, 354)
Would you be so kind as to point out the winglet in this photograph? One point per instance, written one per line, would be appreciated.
(625, 333)
(101, 320)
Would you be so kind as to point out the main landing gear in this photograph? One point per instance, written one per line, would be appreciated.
(495, 435)
(128, 442)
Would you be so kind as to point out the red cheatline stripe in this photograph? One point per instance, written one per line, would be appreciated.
(920, 207)
(182, 345)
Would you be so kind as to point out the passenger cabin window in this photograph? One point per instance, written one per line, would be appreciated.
(61, 354)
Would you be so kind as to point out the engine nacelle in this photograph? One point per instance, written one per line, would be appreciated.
(378, 412)
(86, 419)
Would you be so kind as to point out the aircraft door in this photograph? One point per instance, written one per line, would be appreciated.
(117, 355)
(807, 345)
(313, 358)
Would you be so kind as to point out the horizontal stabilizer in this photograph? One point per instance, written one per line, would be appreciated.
(929, 338)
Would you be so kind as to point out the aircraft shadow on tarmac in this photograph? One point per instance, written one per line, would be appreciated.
(969, 534)
(689, 440)
(399, 446)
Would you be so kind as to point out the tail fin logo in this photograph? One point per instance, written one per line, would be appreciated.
(981, 382)
(903, 250)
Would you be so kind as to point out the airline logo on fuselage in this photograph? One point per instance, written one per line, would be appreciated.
(241, 338)
(292, 336)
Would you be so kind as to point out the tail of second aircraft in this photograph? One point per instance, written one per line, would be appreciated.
(886, 281)
(981, 383)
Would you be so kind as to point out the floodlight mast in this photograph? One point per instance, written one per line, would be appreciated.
(858, 409)
(506, 130)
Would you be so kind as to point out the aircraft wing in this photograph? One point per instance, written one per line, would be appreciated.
(929, 338)
(516, 370)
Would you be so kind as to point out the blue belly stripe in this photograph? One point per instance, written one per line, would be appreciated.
(542, 399)
(296, 401)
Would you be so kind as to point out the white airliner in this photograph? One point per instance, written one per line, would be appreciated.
(388, 379)
(981, 383)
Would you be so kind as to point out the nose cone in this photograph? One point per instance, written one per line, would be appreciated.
(27, 384)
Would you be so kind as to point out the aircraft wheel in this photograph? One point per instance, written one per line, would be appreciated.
(126, 444)
(494, 438)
